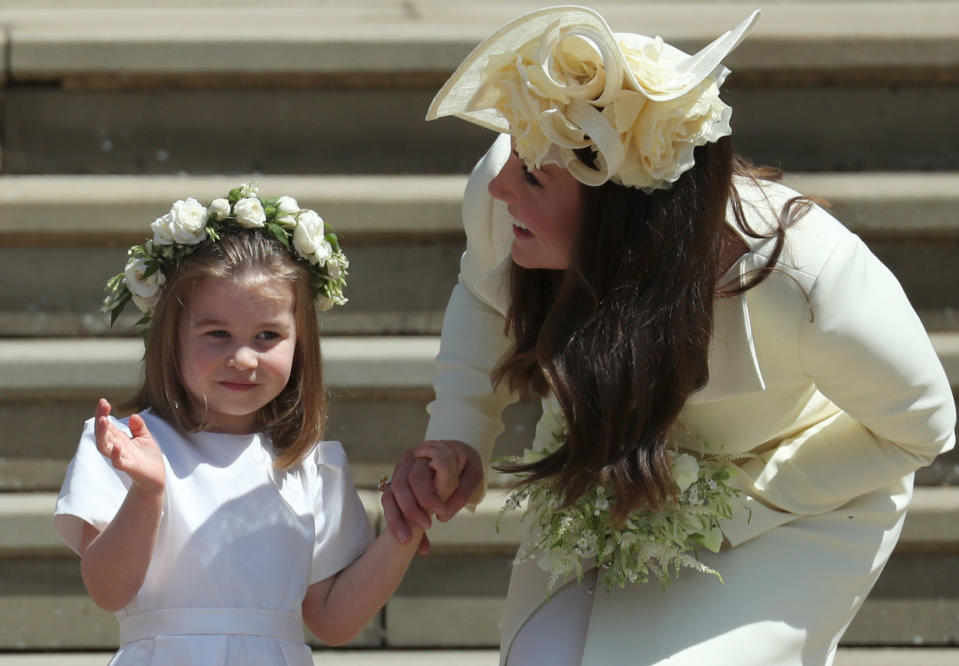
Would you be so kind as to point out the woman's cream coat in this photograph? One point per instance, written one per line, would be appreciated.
(824, 368)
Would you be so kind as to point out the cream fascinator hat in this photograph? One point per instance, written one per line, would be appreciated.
(559, 79)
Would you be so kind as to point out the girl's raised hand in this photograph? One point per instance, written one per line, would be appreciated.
(138, 455)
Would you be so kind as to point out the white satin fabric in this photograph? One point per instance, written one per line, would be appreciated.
(238, 545)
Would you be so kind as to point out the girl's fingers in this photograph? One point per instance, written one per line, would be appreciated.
(138, 427)
(423, 486)
(404, 495)
(103, 408)
(424, 547)
(394, 517)
(101, 423)
(116, 455)
(445, 463)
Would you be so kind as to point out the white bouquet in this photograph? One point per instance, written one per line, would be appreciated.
(651, 541)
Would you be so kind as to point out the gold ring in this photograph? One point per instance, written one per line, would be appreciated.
(384, 483)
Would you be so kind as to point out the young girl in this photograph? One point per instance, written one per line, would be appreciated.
(215, 522)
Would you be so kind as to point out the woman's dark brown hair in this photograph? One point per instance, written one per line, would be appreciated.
(296, 417)
(621, 337)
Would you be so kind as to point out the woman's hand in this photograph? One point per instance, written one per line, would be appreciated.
(420, 481)
(138, 455)
(446, 462)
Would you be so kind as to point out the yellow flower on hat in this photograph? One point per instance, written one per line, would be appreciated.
(559, 80)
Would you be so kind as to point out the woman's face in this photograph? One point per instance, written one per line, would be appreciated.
(547, 206)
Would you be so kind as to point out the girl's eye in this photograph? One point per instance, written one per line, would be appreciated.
(268, 335)
(218, 334)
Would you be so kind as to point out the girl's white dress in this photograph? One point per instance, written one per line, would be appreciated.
(238, 545)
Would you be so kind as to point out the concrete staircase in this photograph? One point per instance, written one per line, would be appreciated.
(112, 109)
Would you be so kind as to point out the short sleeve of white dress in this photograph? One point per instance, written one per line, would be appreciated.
(92, 490)
(343, 531)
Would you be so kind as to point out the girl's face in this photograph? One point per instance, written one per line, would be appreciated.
(547, 205)
(236, 350)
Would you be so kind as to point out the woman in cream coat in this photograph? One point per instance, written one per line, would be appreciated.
(822, 371)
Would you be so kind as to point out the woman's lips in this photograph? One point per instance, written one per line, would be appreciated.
(519, 232)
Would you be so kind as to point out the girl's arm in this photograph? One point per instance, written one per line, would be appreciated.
(337, 608)
(115, 561)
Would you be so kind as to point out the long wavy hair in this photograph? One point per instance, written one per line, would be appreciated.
(296, 417)
(621, 337)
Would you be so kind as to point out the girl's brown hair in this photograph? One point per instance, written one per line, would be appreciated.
(296, 417)
(622, 336)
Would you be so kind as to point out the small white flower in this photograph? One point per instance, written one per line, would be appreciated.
(333, 268)
(249, 213)
(219, 209)
(308, 238)
(185, 224)
(249, 190)
(286, 210)
(685, 471)
(144, 290)
(322, 302)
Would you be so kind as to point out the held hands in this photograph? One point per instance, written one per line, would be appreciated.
(138, 455)
(437, 478)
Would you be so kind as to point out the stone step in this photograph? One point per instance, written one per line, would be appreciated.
(437, 605)
(490, 657)
(63, 38)
(818, 86)
(379, 388)
(80, 226)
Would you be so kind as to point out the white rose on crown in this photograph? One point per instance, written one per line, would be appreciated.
(308, 238)
(190, 223)
(219, 209)
(333, 268)
(323, 302)
(145, 291)
(249, 213)
(184, 224)
(286, 210)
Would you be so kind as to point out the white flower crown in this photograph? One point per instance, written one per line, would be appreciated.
(559, 80)
(189, 223)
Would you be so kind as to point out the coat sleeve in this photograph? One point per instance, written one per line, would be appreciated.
(866, 350)
(467, 407)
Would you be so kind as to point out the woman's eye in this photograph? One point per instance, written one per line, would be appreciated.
(530, 178)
